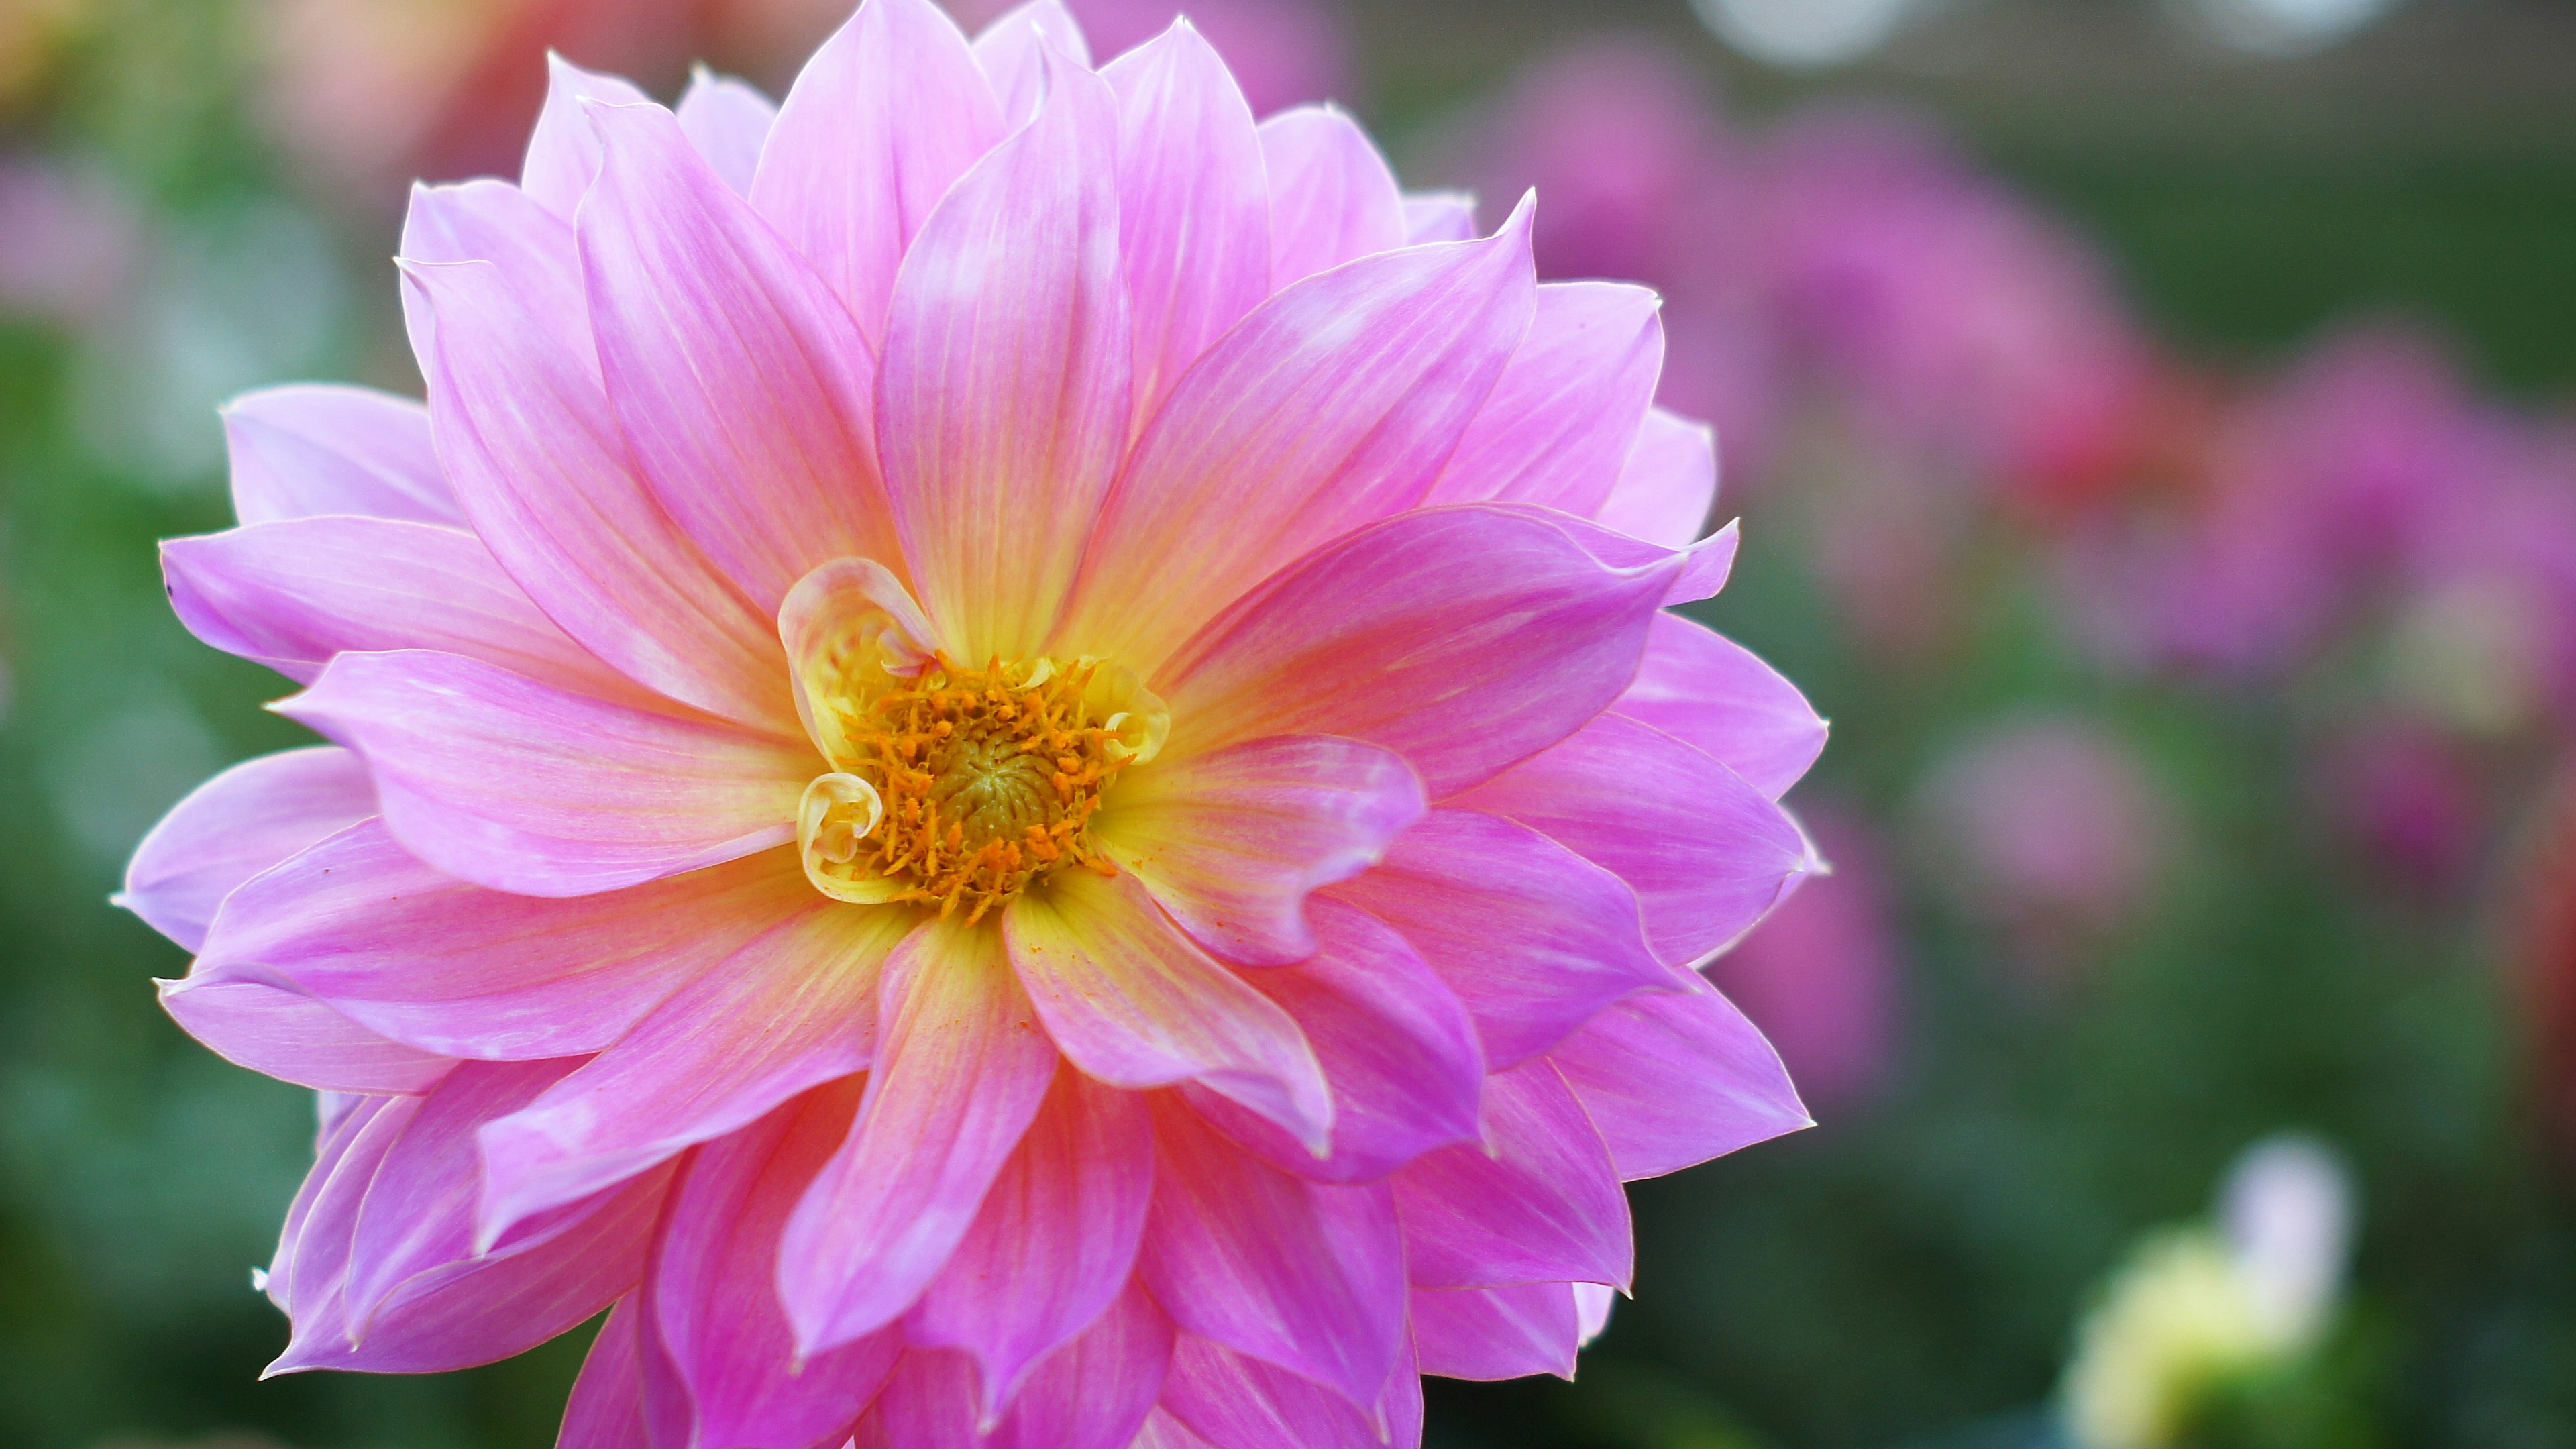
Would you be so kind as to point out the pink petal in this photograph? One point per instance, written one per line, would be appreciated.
(1538, 1202)
(712, 1295)
(236, 825)
(292, 594)
(446, 966)
(961, 1069)
(1530, 936)
(1497, 1333)
(1162, 1431)
(1305, 1276)
(1674, 1080)
(728, 121)
(1333, 198)
(1094, 1393)
(1464, 639)
(1193, 210)
(886, 116)
(1557, 429)
(496, 222)
(250, 1020)
(312, 448)
(353, 1130)
(1132, 1002)
(1706, 853)
(563, 150)
(1398, 1049)
(1232, 842)
(786, 1013)
(1054, 1243)
(508, 783)
(1712, 694)
(1703, 566)
(1012, 52)
(525, 429)
(606, 1410)
(1334, 403)
(1668, 483)
(740, 381)
(1439, 216)
(1232, 1401)
(1004, 399)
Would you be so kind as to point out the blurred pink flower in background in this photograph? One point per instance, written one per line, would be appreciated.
(1825, 975)
(70, 240)
(2402, 794)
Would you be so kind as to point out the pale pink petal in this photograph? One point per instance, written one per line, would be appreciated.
(1162, 1431)
(509, 783)
(1668, 483)
(712, 1295)
(1233, 1401)
(1231, 842)
(886, 116)
(312, 448)
(1530, 936)
(961, 1069)
(1464, 639)
(1557, 428)
(252, 1020)
(1333, 198)
(563, 150)
(1712, 694)
(1673, 1080)
(1439, 216)
(1497, 1333)
(1193, 212)
(786, 1013)
(728, 121)
(1334, 403)
(496, 222)
(1094, 1393)
(1704, 565)
(1538, 1201)
(1130, 1000)
(292, 594)
(1396, 1046)
(1054, 1243)
(1592, 1305)
(353, 1130)
(236, 825)
(740, 381)
(1004, 397)
(1012, 52)
(606, 1410)
(525, 429)
(1707, 854)
(439, 964)
(1303, 1275)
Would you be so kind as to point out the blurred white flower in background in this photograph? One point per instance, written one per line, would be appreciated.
(2283, 27)
(1804, 34)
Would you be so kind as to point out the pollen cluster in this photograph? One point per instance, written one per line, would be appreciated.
(986, 780)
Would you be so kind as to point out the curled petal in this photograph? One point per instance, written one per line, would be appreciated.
(235, 826)
(1668, 483)
(1013, 51)
(835, 814)
(850, 623)
(250, 1019)
(1438, 216)
(563, 150)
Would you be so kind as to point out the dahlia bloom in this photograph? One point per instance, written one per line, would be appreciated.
(1006, 763)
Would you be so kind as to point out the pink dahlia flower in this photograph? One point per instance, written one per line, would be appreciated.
(1006, 762)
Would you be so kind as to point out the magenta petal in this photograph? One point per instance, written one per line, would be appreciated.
(1055, 1240)
(1557, 428)
(1333, 198)
(251, 1020)
(739, 380)
(1162, 1431)
(1539, 1202)
(1439, 216)
(885, 117)
(1497, 1333)
(445, 966)
(508, 783)
(525, 430)
(1674, 1080)
(606, 1410)
(1303, 1275)
(786, 1013)
(291, 594)
(1712, 694)
(728, 121)
(1668, 483)
(1463, 638)
(1232, 842)
(1012, 52)
(310, 449)
(1398, 1049)
(712, 1290)
(961, 1069)
(1231, 1401)
(563, 150)
(1333, 403)
(1533, 938)
(236, 825)
(1094, 1393)
(1004, 396)
(1193, 213)
(1706, 853)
